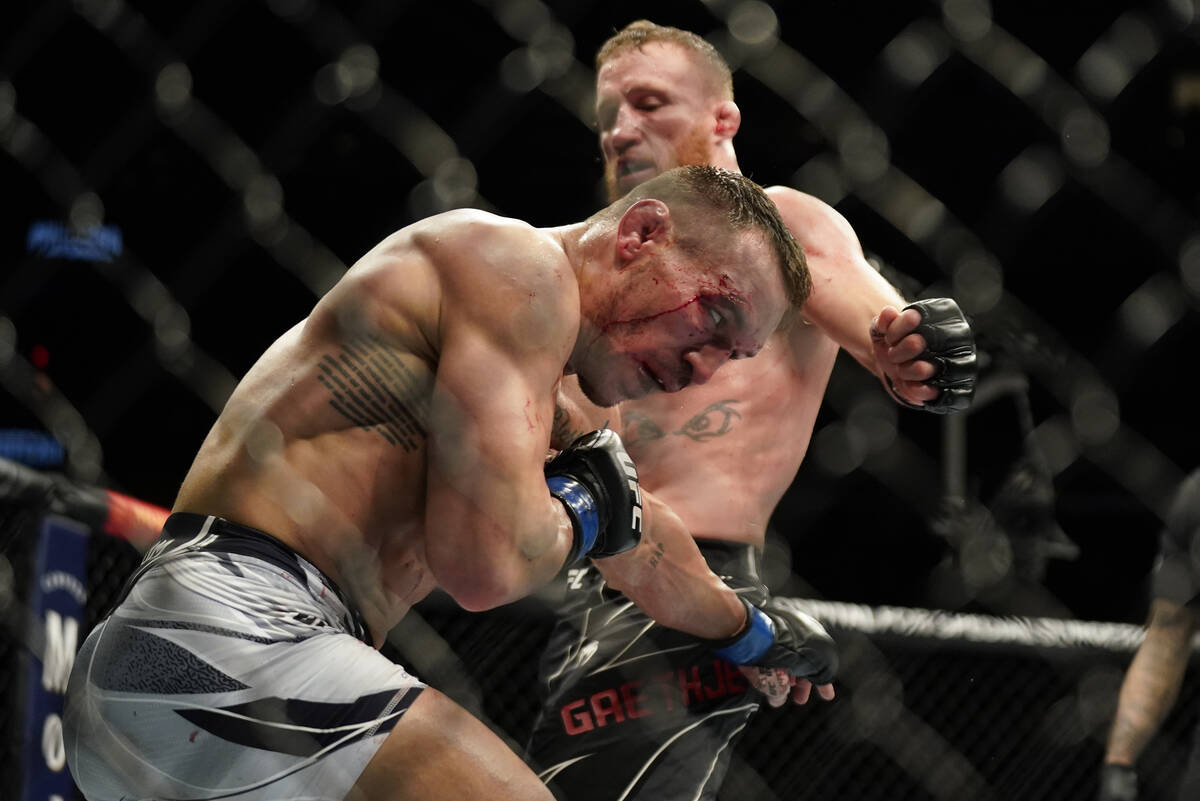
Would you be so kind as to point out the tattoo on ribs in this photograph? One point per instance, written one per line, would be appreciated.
(373, 389)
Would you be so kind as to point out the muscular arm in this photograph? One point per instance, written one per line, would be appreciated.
(665, 575)
(493, 531)
(668, 579)
(847, 291)
(1152, 682)
(848, 294)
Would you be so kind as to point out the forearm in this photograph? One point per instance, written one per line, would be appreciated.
(1152, 682)
(484, 560)
(668, 579)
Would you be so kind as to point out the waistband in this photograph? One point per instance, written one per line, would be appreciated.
(188, 531)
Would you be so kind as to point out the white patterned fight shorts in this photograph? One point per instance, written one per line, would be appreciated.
(233, 669)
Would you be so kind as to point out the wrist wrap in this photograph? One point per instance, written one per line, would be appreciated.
(753, 642)
(581, 508)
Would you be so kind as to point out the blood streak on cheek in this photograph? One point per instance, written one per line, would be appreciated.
(650, 317)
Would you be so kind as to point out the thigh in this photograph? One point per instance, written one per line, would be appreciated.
(440, 752)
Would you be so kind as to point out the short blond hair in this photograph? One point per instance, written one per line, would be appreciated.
(739, 202)
(636, 34)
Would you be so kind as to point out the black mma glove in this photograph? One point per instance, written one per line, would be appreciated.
(950, 347)
(1117, 783)
(596, 481)
(779, 637)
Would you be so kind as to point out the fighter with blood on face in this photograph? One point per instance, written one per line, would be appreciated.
(393, 441)
(633, 710)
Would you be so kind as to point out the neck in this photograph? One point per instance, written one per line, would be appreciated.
(724, 157)
(574, 241)
(580, 243)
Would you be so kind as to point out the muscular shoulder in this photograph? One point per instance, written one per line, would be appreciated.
(816, 225)
(501, 278)
(847, 292)
(462, 267)
(477, 251)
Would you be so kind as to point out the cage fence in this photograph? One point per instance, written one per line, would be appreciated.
(930, 704)
(1039, 166)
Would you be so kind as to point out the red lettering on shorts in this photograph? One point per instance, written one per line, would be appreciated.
(665, 692)
(690, 685)
(735, 679)
(719, 688)
(606, 704)
(633, 700)
(574, 721)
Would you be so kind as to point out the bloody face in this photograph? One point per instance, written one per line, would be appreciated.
(676, 317)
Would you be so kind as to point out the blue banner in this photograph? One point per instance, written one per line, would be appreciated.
(57, 600)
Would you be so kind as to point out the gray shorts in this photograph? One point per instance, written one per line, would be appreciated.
(233, 669)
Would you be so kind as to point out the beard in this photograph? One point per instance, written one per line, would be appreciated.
(692, 149)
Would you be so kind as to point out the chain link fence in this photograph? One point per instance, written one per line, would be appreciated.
(931, 705)
(186, 179)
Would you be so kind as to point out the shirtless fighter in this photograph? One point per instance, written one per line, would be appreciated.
(394, 441)
(632, 710)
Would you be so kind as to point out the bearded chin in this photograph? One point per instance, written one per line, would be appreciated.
(692, 149)
(610, 182)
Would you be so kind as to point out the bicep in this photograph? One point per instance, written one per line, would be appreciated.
(847, 291)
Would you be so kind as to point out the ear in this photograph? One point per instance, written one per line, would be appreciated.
(646, 221)
(728, 120)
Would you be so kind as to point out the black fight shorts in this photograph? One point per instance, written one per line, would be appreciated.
(632, 710)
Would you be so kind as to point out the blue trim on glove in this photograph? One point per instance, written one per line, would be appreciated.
(754, 642)
(582, 507)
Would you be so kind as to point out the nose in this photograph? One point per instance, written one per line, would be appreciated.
(623, 133)
(705, 361)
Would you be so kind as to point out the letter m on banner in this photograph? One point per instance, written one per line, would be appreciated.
(57, 597)
(62, 641)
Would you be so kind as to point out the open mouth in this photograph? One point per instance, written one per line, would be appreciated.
(652, 377)
(627, 168)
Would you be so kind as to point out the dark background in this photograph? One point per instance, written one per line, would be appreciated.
(1037, 161)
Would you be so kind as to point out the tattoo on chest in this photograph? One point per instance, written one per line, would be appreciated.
(640, 428)
(375, 390)
(714, 421)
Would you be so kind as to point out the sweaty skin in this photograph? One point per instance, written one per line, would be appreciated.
(722, 454)
(657, 109)
(395, 438)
